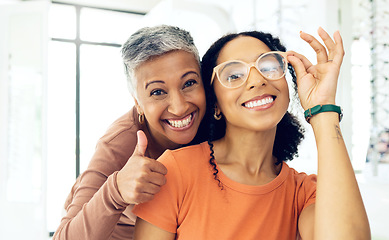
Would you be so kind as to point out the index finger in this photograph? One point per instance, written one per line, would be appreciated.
(158, 167)
(307, 64)
(321, 52)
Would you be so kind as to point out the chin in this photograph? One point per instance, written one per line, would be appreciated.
(182, 139)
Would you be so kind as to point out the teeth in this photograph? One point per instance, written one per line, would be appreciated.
(258, 102)
(180, 123)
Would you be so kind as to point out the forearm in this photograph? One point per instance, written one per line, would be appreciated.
(94, 219)
(340, 213)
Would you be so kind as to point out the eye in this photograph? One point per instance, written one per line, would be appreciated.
(269, 69)
(272, 72)
(234, 77)
(157, 92)
(190, 83)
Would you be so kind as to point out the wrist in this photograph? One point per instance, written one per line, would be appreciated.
(117, 179)
(321, 108)
(114, 190)
(324, 119)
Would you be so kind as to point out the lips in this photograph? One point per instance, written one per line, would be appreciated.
(180, 123)
(258, 102)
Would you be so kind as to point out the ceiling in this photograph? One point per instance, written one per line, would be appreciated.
(143, 6)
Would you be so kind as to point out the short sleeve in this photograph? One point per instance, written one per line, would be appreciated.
(163, 210)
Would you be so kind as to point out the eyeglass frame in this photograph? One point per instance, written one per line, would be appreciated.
(253, 64)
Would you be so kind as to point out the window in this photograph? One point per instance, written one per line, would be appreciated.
(87, 90)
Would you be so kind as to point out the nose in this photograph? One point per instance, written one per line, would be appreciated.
(255, 78)
(178, 104)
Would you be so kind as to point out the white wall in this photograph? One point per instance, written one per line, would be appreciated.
(22, 144)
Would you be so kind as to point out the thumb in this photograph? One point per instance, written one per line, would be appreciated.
(141, 144)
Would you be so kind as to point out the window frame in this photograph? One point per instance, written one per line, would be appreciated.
(78, 42)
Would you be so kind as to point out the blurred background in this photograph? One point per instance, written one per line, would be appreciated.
(62, 84)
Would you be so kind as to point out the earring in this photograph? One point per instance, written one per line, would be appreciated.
(217, 114)
(141, 118)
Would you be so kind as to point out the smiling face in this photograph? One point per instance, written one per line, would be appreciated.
(259, 104)
(170, 93)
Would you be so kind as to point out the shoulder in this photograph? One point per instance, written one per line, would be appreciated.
(124, 127)
(186, 159)
(115, 147)
(120, 138)
(186, 155)
(198, 150)
(300, 178)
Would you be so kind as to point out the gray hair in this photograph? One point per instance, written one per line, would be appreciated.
(149, 42)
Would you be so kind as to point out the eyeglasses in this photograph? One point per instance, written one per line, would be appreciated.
(234, 73)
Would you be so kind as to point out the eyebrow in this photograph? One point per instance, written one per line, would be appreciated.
(243, 60)
(260, 55)
(156, 81)
(190, 72)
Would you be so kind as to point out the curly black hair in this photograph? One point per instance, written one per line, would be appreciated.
(289, 133)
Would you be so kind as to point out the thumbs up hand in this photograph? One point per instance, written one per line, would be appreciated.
(141, 177)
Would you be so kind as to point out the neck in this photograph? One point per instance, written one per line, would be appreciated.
(248, 152)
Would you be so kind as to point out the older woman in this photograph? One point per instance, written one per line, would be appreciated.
(163, 72)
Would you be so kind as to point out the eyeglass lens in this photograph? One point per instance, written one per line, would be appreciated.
(271, 66)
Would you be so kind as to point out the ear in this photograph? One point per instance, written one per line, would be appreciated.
(217, 108)
(138, 107)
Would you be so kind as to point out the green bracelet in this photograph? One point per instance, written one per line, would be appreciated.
(323, 108)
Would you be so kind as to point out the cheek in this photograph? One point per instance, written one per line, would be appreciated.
(153, 112)
(219, 96)
(225, 97)
(285, 94)
(287, 91)
(225, 100)
(153, 109)
(283, 88)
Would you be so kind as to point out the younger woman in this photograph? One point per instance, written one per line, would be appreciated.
(237, 185)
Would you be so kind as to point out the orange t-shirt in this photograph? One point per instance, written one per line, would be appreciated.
(192, 205)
